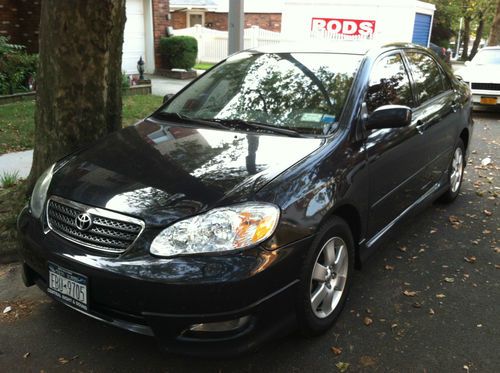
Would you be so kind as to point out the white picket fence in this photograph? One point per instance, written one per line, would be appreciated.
(212, 44)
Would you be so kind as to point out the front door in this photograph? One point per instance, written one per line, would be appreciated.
(395, 160)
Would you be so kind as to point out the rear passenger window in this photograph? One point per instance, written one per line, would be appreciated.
(428, 78)
(389, 84)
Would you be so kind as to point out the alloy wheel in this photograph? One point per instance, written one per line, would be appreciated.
(457, 169)
(329, 277)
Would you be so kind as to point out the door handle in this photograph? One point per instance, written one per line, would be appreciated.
(421, 126)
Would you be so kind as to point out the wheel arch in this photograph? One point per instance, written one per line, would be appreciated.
(350, 214)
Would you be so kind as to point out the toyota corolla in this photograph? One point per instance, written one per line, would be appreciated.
(240, 208)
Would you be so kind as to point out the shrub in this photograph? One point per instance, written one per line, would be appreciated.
(16, 67)
(179, 52)
(125, 80)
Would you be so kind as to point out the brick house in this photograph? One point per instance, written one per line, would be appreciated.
(147, 21)
(214, 13)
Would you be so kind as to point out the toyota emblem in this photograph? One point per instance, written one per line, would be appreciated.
(83, 221)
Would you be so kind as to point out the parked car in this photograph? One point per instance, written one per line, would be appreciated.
(240, 208)
(483, 76)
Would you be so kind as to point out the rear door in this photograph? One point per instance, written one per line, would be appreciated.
(395, 159)
(436, 114)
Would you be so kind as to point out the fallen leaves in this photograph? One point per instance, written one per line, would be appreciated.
(409, 293)
(431, 312)
(470, 259)
(487, 212)
(63, 360)
(455, 221)
(336, 350)
(449, 279)
(342, 366)
(367, 321)
(368, 361)
(389, 267)
(440, 296)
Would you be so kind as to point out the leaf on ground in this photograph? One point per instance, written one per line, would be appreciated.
(449, 279)
(409, 293)
(389, 267)
(342, 367)
(368, 361)
(367, 321)
(487, 212)
(470, 259)
(416, 305)
(433, 230)
(431, 311)
(403, 249)
(26, 355)
(455, 221)
(336, 350)
(440, 296)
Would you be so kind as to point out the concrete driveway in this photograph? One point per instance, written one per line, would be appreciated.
(428, 301)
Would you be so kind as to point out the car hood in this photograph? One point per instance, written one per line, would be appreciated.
(161, 172)
(480, 73)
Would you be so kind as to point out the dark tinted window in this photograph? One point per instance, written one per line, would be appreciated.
(428, 77)
(389, 84)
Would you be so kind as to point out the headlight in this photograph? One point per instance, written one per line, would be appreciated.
(221, 229)
(39, 195)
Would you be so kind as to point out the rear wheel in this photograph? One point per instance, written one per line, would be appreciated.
(325, 277)
(455, 173)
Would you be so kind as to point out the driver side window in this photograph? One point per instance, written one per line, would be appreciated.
(389, 84)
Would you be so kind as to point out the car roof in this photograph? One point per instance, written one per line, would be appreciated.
(356, 47)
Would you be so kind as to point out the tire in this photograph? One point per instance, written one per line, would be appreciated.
(457, 164)
(316, 318)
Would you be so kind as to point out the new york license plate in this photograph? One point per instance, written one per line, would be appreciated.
(488, 100)
(68, 286)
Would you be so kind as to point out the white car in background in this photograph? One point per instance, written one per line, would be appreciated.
(483, 76)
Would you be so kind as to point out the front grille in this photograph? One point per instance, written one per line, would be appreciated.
(486, 86)
(109, 231)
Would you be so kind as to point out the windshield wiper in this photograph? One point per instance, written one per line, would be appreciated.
(258, 125)
(185, 118)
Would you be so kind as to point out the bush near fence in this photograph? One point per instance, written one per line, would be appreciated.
(212, 44)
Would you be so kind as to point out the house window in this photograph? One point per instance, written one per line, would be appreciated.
(195, 18)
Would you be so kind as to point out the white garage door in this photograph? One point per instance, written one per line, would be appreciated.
(134, 36)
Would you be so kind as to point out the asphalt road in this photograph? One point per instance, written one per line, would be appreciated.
(446, 260)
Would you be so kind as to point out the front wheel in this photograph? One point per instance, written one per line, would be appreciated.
(325, 278)
(455, 173)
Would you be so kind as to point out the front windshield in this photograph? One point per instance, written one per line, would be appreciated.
(304, 92)
(487, 57)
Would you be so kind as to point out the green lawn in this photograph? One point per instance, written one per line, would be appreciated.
(203, 66)
(17, 120)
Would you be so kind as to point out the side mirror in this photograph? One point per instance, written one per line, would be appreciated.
(389, 116)
(167, 97)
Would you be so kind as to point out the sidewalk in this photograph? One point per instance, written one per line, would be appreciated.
(21, 161)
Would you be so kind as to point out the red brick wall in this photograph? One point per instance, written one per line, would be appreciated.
(218, 21)
(160, 23)
(20, 20)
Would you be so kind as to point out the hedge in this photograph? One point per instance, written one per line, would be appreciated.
(179, 52)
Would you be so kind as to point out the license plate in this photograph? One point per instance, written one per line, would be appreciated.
(68, 286)
(488, 100)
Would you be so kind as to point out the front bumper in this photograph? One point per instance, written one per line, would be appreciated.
(481, 97)
(165, 297)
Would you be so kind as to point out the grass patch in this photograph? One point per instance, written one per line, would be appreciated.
(12, 200)
(17, 120)
(203, 66)
(9, 179)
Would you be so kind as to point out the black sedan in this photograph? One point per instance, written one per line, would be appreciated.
(240, 208)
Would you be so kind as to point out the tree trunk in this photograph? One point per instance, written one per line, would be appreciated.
(479, 35)
(79, 77)
(466, 36)
(494, 38)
